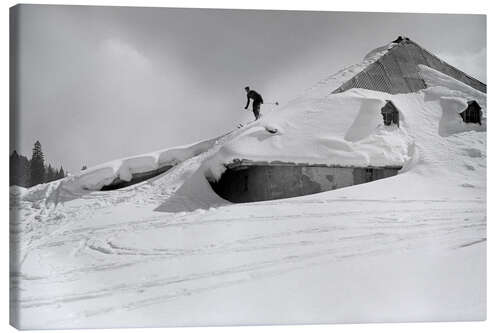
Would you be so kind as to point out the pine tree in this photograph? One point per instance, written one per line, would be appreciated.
(60, 173)
(19, 170)
(24, 171)
(37, 168)
(50, 174)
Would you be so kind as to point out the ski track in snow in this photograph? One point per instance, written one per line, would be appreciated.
(257, 245)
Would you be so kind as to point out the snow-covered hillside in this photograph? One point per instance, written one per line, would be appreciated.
(169, 251)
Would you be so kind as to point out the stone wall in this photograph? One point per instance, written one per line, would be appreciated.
(249, 183)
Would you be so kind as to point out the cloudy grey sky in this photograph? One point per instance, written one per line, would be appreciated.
(100, 83)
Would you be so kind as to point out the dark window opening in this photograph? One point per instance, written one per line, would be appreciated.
(473, 113)
(369, 175)
(390, 114)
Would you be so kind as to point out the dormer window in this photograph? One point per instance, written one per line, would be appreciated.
(473, 113)
(390, 114)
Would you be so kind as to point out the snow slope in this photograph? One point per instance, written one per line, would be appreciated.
(169, 251)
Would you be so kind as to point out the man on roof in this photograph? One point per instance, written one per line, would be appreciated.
(257, 101)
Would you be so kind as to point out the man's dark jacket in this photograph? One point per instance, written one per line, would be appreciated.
(257, 99)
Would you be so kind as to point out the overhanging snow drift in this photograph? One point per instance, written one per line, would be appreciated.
(138, 177)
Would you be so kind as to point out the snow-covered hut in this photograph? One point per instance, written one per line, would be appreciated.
(348, 129)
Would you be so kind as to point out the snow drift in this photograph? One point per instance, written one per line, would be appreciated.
(96, 177)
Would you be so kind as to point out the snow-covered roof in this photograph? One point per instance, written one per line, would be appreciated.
(341, 129)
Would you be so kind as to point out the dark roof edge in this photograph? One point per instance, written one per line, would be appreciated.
(246, 162)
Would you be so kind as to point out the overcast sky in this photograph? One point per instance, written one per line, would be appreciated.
(100, 83)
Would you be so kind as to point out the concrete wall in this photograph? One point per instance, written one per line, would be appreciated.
(397, 71)
(136, 178)
(249, 183)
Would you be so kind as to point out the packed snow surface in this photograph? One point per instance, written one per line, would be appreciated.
(169, 251)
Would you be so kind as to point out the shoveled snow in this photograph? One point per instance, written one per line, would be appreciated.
(169, 251)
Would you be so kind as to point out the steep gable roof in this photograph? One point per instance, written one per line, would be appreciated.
(397, 71)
